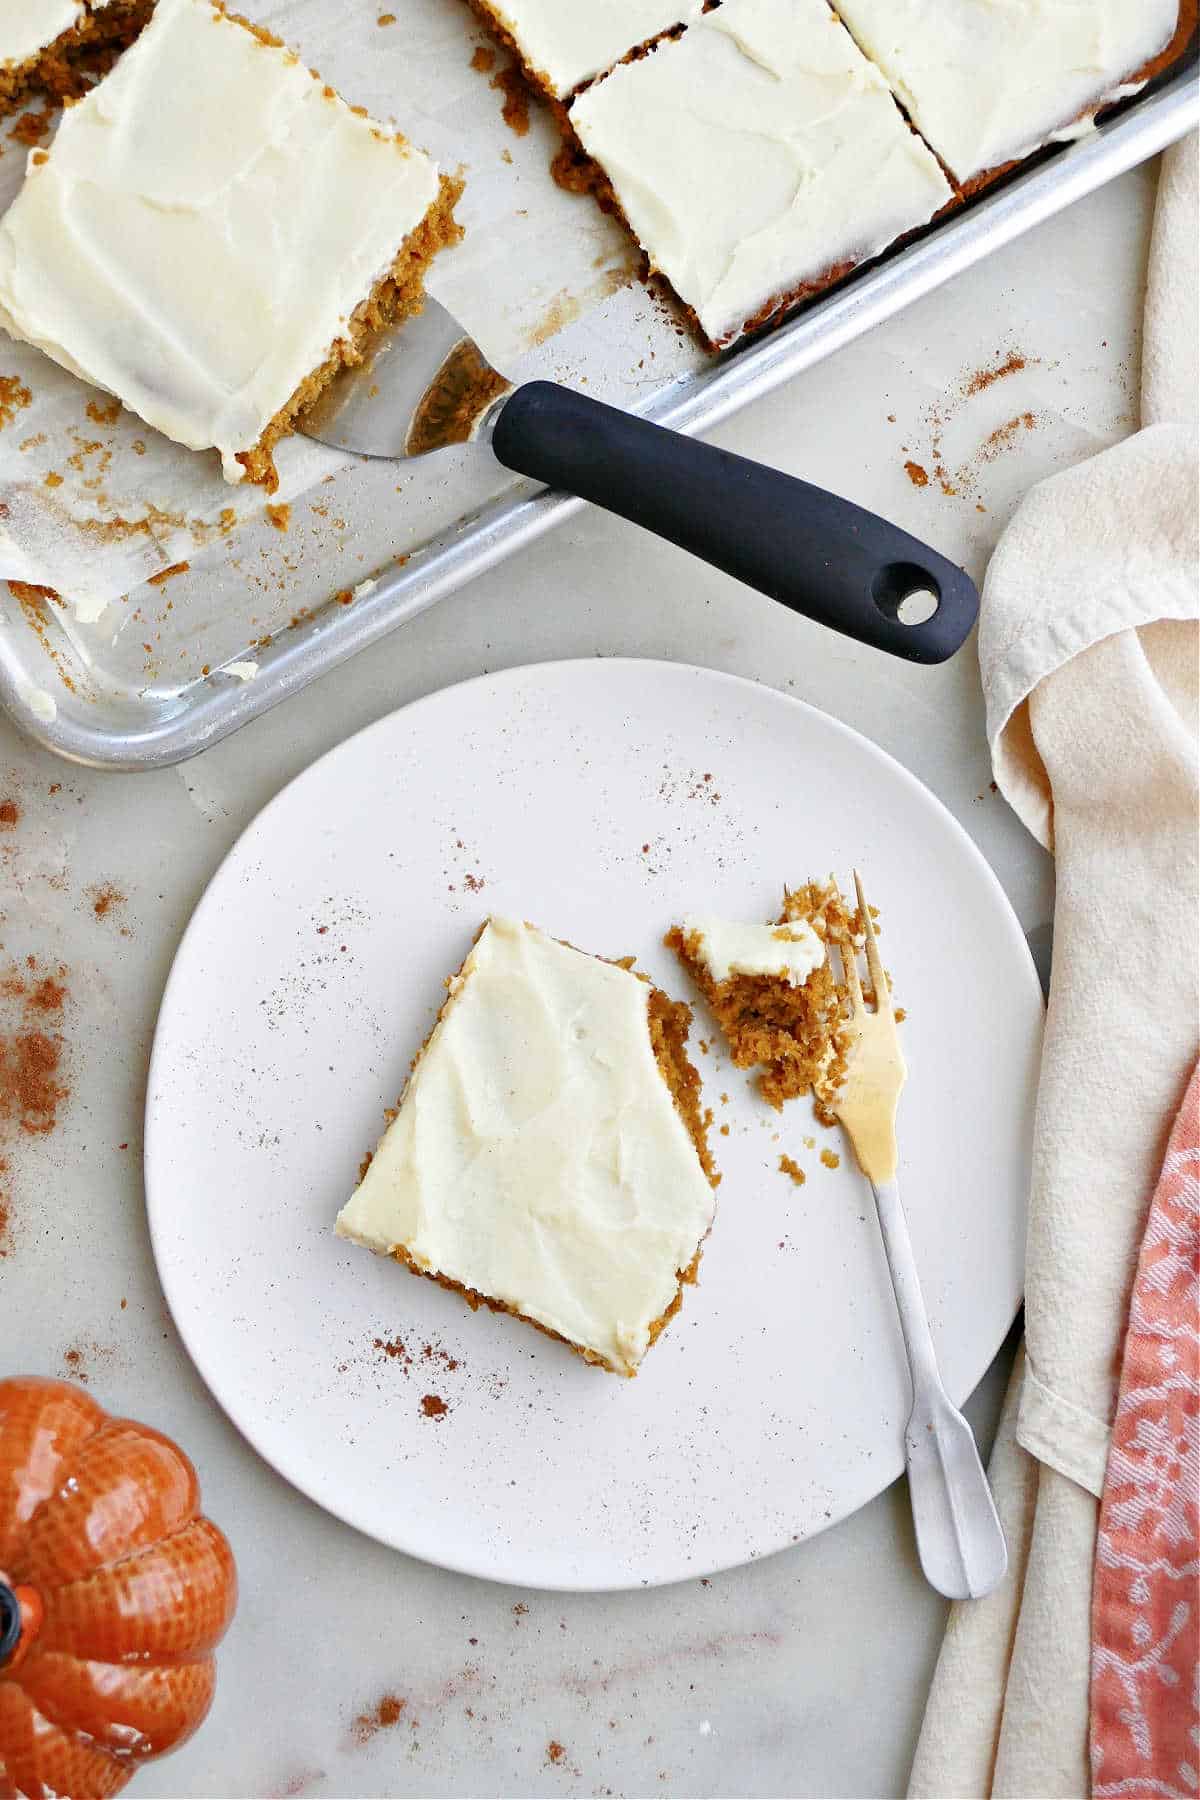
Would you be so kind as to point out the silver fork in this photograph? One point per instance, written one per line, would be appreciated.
(959, 1537)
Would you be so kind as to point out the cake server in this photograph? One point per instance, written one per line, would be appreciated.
(426, 385)
(960, 1540)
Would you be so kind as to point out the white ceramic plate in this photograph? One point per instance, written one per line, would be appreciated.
(599, 799)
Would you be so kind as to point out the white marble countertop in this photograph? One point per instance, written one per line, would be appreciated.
(806, 1673)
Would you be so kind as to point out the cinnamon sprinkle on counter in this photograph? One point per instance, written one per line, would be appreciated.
(82, 1357)
(1005, 435)
(32, 1088)
(104, 898)
(103, 415)
(483, 59)
(47, 995)
(433, 1406)
(986, 378)
(938, 417)
(381, 1717)
(280, 516)
(555, 1751)
(916, 474)
(10, 814)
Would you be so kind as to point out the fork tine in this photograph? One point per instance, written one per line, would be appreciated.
(879, 980)
(850, 973)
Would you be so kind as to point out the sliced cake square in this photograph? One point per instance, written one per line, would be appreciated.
(757, 158)
(561, 45)
(52, 45)
(988, 81)
(214, 232)
(548, 1157)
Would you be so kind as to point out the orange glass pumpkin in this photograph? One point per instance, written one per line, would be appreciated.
(113, 1593)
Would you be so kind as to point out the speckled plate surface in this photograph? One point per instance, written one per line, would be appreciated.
(600, 799)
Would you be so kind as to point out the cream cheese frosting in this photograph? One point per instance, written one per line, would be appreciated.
(728, 948)
(202, 228)
(989, 81)
(565, 43)
(28, 26)
(538, 1156)
(755, 154)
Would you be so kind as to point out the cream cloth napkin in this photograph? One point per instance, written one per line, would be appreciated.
(1089, 655)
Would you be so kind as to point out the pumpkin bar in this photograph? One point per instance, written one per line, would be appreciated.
(53, 45)
(757, 159)
(548, 1157)
(560, 45)
(214, 232)
(772, 991)
(986, 84)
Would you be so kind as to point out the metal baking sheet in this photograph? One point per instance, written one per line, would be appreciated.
(148, 689)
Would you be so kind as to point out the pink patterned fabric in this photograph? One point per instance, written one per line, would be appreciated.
(1145, 1703)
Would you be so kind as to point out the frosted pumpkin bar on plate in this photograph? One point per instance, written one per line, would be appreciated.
(213, 232)
(548, 1157)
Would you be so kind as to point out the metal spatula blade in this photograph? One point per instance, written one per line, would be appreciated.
(425, 385)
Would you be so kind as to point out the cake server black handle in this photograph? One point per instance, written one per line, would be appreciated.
(815, 553)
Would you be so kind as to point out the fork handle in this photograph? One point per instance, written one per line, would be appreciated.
(910, 1302)
(959, 1536)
